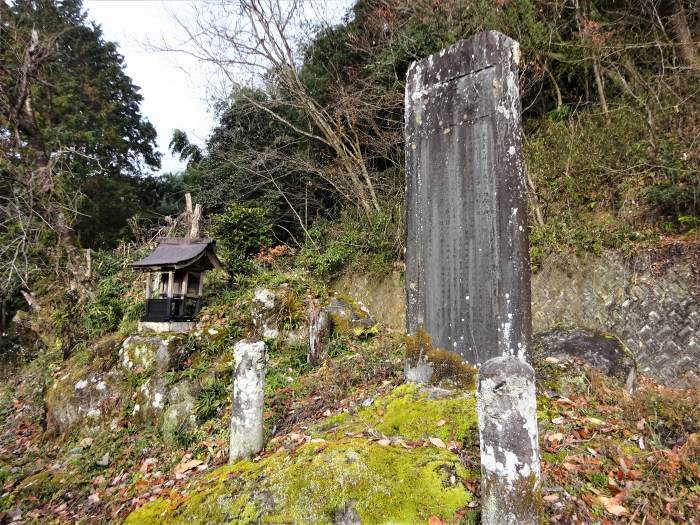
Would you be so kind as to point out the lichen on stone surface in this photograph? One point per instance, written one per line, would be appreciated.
(310, 484)
(81, 394)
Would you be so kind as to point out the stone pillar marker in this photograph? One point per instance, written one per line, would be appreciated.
(248, 400)
(467, 254)
(510, 456)
(467, 261)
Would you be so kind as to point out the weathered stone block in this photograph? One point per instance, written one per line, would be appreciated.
(347, 315)
(140, 353)
(180, 411)
(150, 400)
(248, 400)
(506, 407)
(603, 351)
(467, 262)
(84, 398)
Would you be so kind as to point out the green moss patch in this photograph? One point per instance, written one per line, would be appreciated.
(448, 367)
(387, 484)
(412, 413)
(46, 485)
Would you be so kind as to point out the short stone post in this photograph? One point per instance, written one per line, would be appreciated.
(510, 459)
(319, 328)
(248, 400)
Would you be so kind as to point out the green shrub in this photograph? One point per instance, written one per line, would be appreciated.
(112, 302)
(674, 199)
(241, 232)
(212, 397)
(351, 239)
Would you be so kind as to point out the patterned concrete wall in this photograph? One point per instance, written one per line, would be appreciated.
(651, 302)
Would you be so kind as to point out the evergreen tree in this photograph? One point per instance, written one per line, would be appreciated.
(68, 113)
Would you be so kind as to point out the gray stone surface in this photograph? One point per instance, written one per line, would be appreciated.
(348, 315)
(150, 400)
(603, 351)
(159, 353)
(347, 515)
(248, 400)
(510, 461)
(83, 398)
(180, 327)
(467, 265)
(180, 409)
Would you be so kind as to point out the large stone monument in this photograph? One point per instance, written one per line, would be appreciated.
(467, 260)
(467, 264)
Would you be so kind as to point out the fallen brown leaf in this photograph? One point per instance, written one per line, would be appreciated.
(437, 442)
(557, 436)
(612, 506)
(183, 467)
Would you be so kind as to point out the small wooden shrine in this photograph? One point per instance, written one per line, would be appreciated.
(174, 279)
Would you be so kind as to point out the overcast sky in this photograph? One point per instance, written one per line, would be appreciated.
(173, 86)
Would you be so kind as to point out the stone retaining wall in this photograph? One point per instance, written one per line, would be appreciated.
(651, 301)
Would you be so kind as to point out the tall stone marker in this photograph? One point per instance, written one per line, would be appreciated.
(467, 264)
(248, 400)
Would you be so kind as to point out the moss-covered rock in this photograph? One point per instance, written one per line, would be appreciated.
(180, 411)
(93, 389)
(425, 363)
(150, 399)
(348, 316)
(388, 485)
(264, 309)
(144, 354)
(412, 413)
(83, 396)
(601, 350)
(279, 313)
(44, 485)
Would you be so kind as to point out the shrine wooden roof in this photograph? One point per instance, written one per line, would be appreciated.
(173, 253)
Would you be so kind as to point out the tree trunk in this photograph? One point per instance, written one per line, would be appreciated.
(601, 90)
(686, 47)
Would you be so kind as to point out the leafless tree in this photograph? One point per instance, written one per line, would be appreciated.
(262, 40)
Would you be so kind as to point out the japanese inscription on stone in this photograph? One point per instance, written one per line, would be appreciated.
(467, 266)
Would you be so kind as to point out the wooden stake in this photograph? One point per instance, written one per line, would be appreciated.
(188, 214)
(148, 285)
(88, 263)
(188, 203)
(195, 222)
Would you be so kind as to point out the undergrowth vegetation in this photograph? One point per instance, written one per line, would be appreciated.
(610, 120)
(353, 243)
